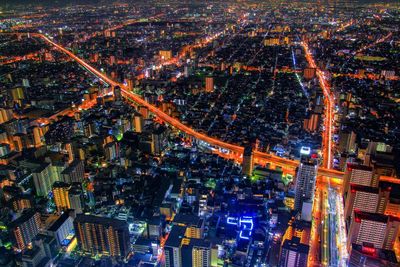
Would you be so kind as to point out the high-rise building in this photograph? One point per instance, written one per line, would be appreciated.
(209, 84)
(195, 252)
(21, 202)
(309, 73)
(365, 198)
(60, 193)
(25, 228)
(358, 175)
(311, 123)
(70, 150)
(144, 111)
(172, 248)
(17, 93)
(248, 161)
(347, 141)
(138, 123)
(165, 54)
(100, 235)
(305, 180)
(159, 140)
(43, 179)
(117, 93)
(34, 257)
(75, 199)
(298, 228)
(293, 253)
(377, 229)
(367, 255)
(6, 114)
(74, 173)
(62, 227)
(111, 151)
(25, 83)
(193, 223)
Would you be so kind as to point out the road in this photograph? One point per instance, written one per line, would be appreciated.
(325, 223)
(328, 112)
(314, 253)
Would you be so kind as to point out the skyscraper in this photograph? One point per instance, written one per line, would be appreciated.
(100, 235)
(305, 180)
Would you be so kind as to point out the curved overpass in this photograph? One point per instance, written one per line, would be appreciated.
(286, 164)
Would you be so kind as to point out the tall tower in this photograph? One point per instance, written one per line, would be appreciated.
(305, 179)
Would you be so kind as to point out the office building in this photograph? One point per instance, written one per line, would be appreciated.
(17, 94)
(299, 229)
(111, 151)
(49, 244)
(100, 235)
(6, 114)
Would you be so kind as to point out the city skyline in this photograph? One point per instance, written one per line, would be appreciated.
(200, 133)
